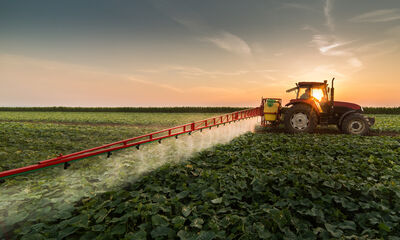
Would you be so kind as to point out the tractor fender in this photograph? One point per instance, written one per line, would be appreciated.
(346, 114)
(304, 101)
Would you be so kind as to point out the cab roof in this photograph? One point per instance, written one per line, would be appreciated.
(311, 84)
(308, 85)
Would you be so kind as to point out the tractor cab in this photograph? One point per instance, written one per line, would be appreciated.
(314, 90)
(311, 90)
(314, 94)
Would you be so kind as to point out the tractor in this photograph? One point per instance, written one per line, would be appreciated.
(311, 107)
(315, 105)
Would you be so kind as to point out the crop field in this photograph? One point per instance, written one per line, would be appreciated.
(27, 198)
(33, 136)
(260, 185)
(104, 118)
(386, 122)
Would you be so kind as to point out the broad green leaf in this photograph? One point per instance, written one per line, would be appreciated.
(159, 220)
(384, 227)
(118, 229)
(197, 223)
(347, 225)
(139, 235)
(217, 200)
(66, 232)
(205, 235)
(185, 235)
(178, 221)
(186, 210)
(161, 231)
(332, 229)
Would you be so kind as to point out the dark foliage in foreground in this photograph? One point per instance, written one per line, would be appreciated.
(260, 186)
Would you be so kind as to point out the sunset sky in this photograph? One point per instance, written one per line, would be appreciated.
(196, 53)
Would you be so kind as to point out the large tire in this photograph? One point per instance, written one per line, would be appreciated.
(300, 118)
(355, 124)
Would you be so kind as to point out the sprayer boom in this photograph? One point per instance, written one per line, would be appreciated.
(135, 142)
(311, 107)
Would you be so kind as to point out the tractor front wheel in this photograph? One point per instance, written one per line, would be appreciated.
(300, 119)
(355, 124)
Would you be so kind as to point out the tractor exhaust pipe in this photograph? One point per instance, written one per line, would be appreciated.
(332, 96)
(332, 92)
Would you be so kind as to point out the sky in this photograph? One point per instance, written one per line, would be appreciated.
(196, 53)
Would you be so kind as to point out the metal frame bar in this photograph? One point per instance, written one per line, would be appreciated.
(136, 141)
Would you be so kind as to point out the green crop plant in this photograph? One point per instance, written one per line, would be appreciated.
(260, 186)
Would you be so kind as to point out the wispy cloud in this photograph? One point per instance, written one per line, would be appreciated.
(220, 38)
(354, 62)
(326, 49)
(192, 24)
(194, 72)
(230, 43)
(154, 84)
(328, 16)
(379, 48)
(395, 31)
(301, 6)
(383, 15)
(196, 24)
(317, 73)
(372, 46)
(328, 45)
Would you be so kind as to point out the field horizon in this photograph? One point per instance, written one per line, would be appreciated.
(161, 109)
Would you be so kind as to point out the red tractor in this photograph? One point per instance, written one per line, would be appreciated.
(314, 104)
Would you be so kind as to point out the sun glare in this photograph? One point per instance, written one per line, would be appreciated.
(318, 94)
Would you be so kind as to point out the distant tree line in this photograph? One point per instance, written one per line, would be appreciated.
(127, 109)
(382, 110)
(367, 110)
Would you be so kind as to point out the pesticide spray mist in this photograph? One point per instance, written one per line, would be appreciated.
(42, 196)
(172, 150)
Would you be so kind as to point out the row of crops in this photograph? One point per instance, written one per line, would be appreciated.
(260, 186)
(33, 136)
(114, 118)
(368, 110)
(384, 122)
(50, 193)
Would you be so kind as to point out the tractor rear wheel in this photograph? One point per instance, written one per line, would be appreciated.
(355, 124)
(300, 118)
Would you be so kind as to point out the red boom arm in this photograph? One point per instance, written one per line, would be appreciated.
(136, 141)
